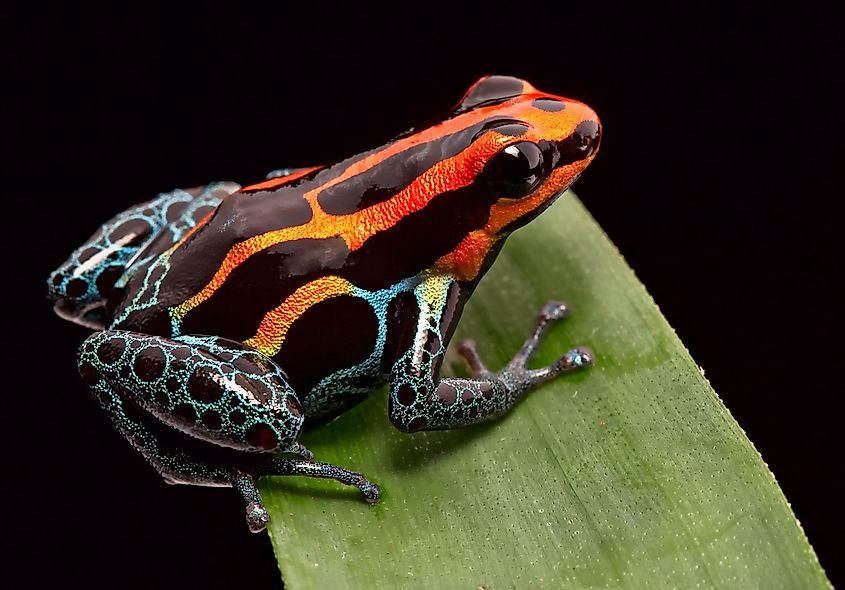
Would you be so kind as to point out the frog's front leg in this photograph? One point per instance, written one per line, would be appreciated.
(420, 400)
(166, 395)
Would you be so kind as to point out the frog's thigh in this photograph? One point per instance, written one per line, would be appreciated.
(92, 275)
(210, 388)
(169, 459)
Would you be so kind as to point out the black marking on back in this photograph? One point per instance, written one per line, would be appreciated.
(239, 217)
(261, 283)
(419, 239)
(551, 105)
(489, 91)
(384, 180)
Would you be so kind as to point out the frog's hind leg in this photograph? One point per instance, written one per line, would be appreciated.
(90, 282)
(172, 397)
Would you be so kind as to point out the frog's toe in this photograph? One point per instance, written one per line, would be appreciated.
(553, 311)
(576, 358)
(371, 492)
(257, 517)
(468, 351)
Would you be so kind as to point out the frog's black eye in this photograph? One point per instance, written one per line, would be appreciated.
(516, 170)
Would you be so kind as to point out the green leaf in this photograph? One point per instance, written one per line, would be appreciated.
(631, 474)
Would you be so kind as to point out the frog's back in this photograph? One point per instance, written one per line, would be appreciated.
(232, 268)
(266, 268)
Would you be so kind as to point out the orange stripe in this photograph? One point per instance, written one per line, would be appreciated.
(276, 323)
(464, 262)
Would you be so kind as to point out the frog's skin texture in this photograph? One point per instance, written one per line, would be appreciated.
(230, 317)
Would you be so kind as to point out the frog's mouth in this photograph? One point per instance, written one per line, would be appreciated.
(91, 316)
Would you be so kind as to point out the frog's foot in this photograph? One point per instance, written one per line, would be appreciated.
(280, 466)
(257, 516)
(420, 400)
(517, 369)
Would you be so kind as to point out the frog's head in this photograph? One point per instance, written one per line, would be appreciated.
(532, 147)
(498, 159)
(442, 197)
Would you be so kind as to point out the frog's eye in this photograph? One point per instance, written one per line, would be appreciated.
(516, 170)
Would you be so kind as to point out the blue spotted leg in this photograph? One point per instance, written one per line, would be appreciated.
(95, 274)
(420, 400)
(168, 397)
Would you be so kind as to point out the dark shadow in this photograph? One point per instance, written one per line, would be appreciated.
(412, 450)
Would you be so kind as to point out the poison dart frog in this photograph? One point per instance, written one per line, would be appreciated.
(227, 317)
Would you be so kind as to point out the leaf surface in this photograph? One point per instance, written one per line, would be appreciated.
(631, 474)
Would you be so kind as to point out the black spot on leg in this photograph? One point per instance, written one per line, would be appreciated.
(161, 398)
(106, 280)
(155, 275)
(137, 228)
(149, 364)
(109, 352)
(87, 253)
(202, 212)
(203, 387)
(211, 419)
(175, 210)
(406, 395)
(76, 288)
(402, 314)
(447, 394)
(185, 413)
(262, 436)
(181, 352)
(237, 417)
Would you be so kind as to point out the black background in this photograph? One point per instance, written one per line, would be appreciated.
(719, 179)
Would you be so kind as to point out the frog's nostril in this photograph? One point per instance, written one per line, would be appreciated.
(580, 145)
(587, 137)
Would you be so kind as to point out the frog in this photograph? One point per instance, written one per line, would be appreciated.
(226, 318)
